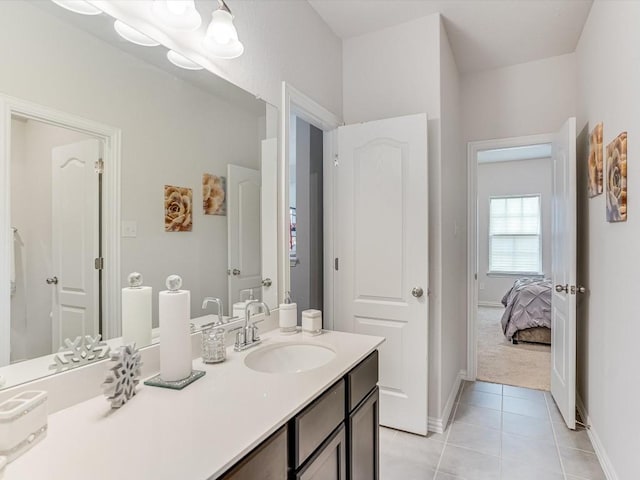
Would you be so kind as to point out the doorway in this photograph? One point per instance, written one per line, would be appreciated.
(55, 216)
(306, 216)
(59, 220)
(513, 248)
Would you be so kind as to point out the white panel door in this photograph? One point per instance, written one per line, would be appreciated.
(382, 247)
(75, 241)
(563, 269)
(269, 220)
(243, 217)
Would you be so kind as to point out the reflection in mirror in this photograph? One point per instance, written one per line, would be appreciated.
(121, 162)
(306, 215)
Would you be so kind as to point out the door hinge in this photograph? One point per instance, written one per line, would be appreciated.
(98, 263)
(336, 160)
(336, 264)
(99, 166)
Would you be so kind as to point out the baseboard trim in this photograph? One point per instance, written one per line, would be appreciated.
(491, 304)
(601, 453)
(438, 425)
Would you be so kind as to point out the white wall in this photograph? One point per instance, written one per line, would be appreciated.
(525, 99)
(172, 133)
(401, 70)
(522, 177)
(453, 230)
(608, 61)
(31, 212)
(283, 39)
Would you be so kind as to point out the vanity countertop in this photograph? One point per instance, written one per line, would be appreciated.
(193, 434)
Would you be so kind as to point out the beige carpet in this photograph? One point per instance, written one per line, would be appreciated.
(499, 361)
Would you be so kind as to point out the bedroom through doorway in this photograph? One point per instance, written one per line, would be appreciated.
(513, 256)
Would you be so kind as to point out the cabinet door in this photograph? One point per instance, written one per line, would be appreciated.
(267, 462)
(363, 440)
(329, 462)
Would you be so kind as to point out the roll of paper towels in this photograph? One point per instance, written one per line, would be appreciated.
(175, 336)
(136, 315)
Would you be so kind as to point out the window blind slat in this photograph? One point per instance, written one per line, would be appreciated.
(514, 230)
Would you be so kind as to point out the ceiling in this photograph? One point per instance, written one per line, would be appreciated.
(484, 34)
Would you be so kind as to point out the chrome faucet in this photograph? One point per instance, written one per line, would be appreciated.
(247, 336)
(218, 302)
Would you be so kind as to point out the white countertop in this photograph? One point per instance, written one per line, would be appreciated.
(193, 434)
(27, 370)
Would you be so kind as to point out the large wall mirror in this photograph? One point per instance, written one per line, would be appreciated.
(115, 161)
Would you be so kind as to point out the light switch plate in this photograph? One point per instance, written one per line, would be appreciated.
(129, 229)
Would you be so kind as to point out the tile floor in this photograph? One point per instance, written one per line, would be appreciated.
(497, 433)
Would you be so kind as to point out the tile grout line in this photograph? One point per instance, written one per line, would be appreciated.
(446, 438)
(555, 438)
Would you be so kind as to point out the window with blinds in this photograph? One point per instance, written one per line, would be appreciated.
(515, 243)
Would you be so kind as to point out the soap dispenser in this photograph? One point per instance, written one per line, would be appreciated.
(288, 316)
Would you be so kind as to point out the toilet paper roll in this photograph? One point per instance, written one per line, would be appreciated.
(175, 336)
(136, 315)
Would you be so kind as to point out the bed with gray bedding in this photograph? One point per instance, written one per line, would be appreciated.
(527, 315)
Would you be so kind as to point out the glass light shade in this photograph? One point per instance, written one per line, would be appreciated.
(221, 28)
(180, 14)
(221, 39)
(183, 62)
(134, 36)
(78, 6)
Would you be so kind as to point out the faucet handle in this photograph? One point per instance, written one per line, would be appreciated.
(253, 334)
(241, 337)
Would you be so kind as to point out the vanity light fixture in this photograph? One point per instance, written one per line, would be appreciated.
(134, 36)
(181, 61)
(179, 14)
(221, 39)
(78, 6)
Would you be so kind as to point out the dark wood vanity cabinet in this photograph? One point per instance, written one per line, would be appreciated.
(363, 440)
(268, 461)
(333, 438)
(351, 451)
(363, 453)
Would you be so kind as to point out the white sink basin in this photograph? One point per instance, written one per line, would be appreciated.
(289, 358)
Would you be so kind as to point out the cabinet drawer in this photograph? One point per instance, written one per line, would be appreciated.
(361, 380)
(267, 462)
(311, 427)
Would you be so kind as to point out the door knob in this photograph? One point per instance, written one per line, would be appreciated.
(236, 271)
(581, 289)
(417, 292)
(52, 281)
(562, 288)
(266, 282)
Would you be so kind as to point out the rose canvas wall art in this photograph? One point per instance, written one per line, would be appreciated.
(214, 196)
(617, 179)
(178, 216)
(595, 161)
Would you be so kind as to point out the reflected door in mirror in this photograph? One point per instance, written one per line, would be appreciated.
(75, 241)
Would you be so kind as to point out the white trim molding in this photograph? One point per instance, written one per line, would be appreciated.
(439, 425)
(473, 148)
(598, 447)
(294, 102)
(111, 138)
(490, 304)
